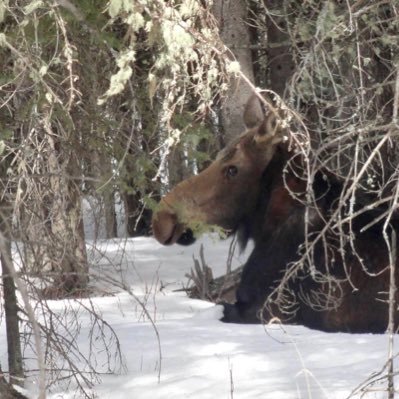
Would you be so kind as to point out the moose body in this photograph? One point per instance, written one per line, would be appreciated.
(296, 272)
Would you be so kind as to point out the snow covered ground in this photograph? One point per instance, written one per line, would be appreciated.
(177, 347)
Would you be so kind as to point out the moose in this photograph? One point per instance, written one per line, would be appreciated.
(301, 270)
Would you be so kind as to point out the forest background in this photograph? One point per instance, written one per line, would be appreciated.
(112, 103)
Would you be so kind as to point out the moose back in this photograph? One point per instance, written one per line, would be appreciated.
(299, 271)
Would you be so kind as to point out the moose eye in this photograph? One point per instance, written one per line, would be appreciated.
(231, 171)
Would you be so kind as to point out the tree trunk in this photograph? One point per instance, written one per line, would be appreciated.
(15, 365)
(50, 213)
(279, 54)
(12, 323)
(111, 225)
(6, 389)
(103, 191)
(68, 246)
(138, 219)
(234, 31)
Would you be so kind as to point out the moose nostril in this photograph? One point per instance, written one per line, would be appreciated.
(187, 238)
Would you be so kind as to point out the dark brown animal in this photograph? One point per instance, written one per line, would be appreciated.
(332, 283)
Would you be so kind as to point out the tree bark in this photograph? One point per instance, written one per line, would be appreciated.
(68, 246)
(111, 225)
(138, 219)
(279, 54)
(6, 389)
(15, 365)
(232, 16)
(103, 191)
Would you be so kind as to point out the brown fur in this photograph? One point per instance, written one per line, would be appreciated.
(248, 189)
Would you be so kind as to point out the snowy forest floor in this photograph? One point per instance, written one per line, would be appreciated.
(173, 346)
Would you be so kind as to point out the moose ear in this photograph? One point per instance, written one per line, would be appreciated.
(269, 128)
(266, 120)
(253, 113)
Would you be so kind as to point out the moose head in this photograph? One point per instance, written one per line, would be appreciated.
(225, 193)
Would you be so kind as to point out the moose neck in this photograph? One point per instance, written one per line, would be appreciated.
(272, 187)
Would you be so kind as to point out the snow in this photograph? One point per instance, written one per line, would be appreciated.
(196, 355)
